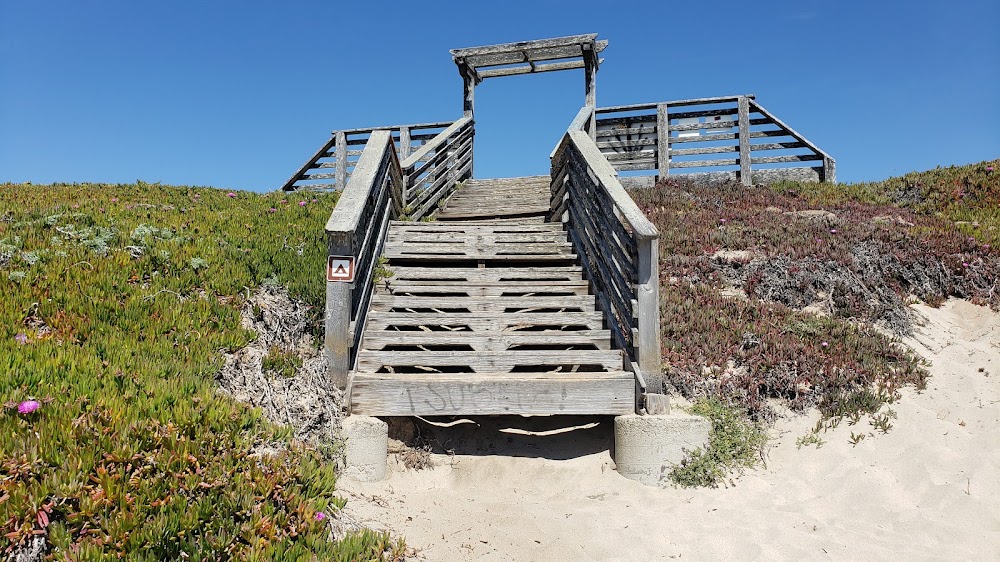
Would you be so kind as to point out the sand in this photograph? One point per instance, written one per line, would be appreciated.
(929, 489)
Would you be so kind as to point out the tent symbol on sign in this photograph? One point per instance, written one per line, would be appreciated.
(340, 268)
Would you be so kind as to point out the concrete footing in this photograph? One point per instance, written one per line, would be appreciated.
(646, 446)
(367, 448)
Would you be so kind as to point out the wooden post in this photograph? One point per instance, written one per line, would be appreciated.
(662, 141)
(341, 155)
(590, 88)
(468, 101)
(648, 295)
(404, 142)
(744, 116)
(339, 297)
(590, 76)
(829, 170)
(404, 153)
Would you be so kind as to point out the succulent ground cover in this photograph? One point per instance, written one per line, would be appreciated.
(797, 292)
(118, 305)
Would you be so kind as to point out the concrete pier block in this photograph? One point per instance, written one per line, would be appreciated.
(367, 447)
(646, 446)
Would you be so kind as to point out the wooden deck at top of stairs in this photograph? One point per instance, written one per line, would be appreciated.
(487, 313)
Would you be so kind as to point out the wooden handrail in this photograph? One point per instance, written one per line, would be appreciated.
(432, 172)
(357, 230)
(617, 245)
(377, 193)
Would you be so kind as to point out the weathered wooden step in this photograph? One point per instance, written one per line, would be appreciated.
(386, 303)
(478, 341)
(465, 290)
(493, 361)
(497, 274)
(489, 394)
(498, 323)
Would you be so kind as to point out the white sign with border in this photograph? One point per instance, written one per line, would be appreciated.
(340, 268)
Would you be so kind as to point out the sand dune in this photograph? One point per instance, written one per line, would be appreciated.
(927, 490)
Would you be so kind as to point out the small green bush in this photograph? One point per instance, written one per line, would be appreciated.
(735, 443)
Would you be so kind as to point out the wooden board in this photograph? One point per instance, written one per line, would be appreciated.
(385, 303)
(486, 394)
(590, 320)
(478, 341)
(490, 361)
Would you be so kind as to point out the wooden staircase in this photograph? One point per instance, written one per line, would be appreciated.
(487, 312)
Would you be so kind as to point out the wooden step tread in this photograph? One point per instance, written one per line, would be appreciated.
(376, 340)
(482, 322)
(436, 394)
(464, 289)
(492, 361)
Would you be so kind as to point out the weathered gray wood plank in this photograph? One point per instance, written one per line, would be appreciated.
(489, 361)
(484, 394)
(385, 303)
(377, 340)
(486, 322)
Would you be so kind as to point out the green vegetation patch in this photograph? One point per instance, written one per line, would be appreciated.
(735, 443)
(117, 300)
(776, 293)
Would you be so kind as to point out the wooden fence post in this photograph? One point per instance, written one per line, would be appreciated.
(744, 116)
(829, 170)
(648, 297)
(341, 155)
(339, 299)
(662, 141)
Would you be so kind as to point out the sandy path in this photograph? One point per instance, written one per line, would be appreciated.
(927, 490)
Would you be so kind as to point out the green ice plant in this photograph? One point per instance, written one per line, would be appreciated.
(117, 302)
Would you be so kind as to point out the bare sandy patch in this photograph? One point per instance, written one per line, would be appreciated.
(927, 490)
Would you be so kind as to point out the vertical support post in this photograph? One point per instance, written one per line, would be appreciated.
(404, 142)
(590, 88)
(468, 99)
(744, 116)
(829, 170)
(662, 141)
(339, 299)
(648, 295)
(404, 153)
(341, 155)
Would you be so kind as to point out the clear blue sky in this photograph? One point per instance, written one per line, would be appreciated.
(239, 94)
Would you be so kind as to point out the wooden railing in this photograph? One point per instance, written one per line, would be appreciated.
(381, 189)
(697, 136)
(330, 168)
(617, 246)
(433, 170)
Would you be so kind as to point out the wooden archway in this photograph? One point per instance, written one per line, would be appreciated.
(476, 64)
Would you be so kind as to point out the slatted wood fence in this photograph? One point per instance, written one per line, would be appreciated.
(616, 243)
(381, 189)
(710, 139)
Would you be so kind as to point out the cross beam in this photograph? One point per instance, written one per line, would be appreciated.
(476, 64)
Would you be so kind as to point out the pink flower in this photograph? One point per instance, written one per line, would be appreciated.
(28, 406)
(272, 210)
(76, 206)
(114, 199)
(230, 194)
(284, 201)
(989, 168)
(723, 221)
(825, 344)
(21, 338)
(315, 200)
(302, 203)
(320, 516)
(833, 231)
(965, 264)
